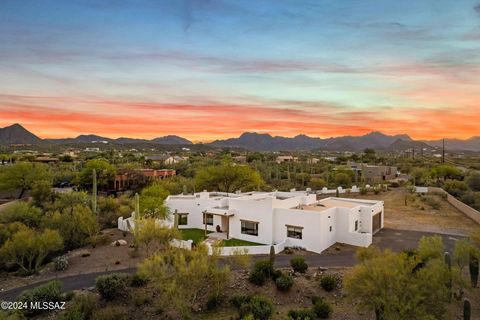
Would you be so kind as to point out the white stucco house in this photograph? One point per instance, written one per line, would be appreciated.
(271, 218)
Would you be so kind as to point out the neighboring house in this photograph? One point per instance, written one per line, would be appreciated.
(166, 159)
(281, 159)
(275, 217)
(157, 174)
(313, 160)
(240, 159)
(124, 179)
(374, 174)
(92, 149)
(46, 159)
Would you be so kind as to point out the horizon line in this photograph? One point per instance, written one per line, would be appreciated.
(233, 137)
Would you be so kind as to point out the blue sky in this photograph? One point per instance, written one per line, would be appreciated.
(212, 69)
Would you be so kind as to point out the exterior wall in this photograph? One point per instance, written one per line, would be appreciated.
(316, 235)
(194, 207)
(257, 210)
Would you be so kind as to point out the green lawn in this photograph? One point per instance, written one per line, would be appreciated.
(197, 235)
(238, 243)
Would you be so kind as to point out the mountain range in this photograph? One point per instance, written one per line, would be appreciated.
(16, 134)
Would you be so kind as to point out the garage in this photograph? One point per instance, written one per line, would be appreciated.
(376, 222)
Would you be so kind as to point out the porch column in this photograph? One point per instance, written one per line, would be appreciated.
(228, 227)
(205, 221)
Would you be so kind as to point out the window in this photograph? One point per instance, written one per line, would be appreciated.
(356, 225)
(294, 232)
(249, 227)
(182, 219)
(209, 218)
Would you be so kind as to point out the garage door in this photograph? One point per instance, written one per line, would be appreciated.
(377, 222)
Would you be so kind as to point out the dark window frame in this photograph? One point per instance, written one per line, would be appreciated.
(209, 218)
(252, 231)
(182, 216)
(294, 232)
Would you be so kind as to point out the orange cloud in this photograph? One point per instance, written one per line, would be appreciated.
(48, 118)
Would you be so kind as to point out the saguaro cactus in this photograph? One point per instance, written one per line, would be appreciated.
(448, 260)
(473, 267)
(272, 255)
(467, 309)
(137, 205)
(94, 191)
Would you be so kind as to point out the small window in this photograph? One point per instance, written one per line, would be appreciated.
(356, 225)
(294, 232)
(209, 218)
(330, 228)
(250, 228)
(182, 219)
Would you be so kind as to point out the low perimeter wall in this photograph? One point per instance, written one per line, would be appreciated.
(230, 251)
(465, 209)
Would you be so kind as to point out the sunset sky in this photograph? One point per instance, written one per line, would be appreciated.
(214, 69)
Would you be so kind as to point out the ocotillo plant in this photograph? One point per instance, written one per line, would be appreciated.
(473, 267)
(94, 191)
(467, 309)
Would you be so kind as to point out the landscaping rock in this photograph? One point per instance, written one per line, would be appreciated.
(119, 242)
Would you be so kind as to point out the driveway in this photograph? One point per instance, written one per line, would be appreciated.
(397, 240)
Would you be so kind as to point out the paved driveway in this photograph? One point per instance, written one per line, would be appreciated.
(397, 240)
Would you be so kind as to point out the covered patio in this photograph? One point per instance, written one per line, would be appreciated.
(223, 230)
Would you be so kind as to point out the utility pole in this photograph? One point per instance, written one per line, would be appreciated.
(443, 150)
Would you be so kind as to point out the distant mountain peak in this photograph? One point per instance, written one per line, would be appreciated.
(17, 134)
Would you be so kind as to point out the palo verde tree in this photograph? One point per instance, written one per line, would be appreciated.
(28, 248)
(24, 176)
(228, 177)
(181, 277)
(103, 169)
(400, 285)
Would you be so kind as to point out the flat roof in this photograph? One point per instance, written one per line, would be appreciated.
(328, 203)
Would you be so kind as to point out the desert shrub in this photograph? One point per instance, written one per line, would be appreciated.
(99, 240)
(261, 308)
(140, 299)
(302, 314)
(61, 263)
(83, 305)
(240, 299)
(328, 283)
(49, 292)
(276, 274)
(71, 314)
(262, 270)
(298, 264)
(138, 280)
(432, 202)
(21, 212)
(284, 282)
(394, 184)
(111, 286)
(322, 309)
(214, 301)
(110, 313)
